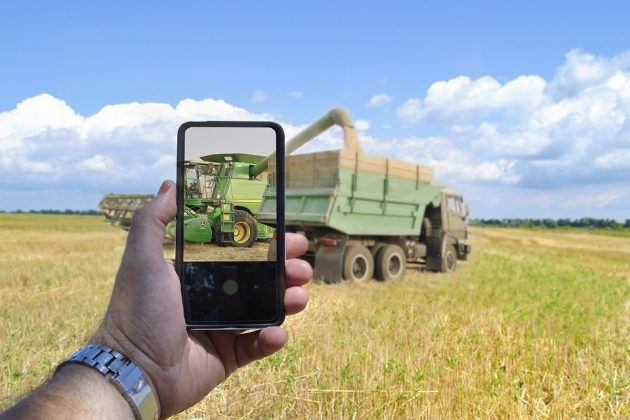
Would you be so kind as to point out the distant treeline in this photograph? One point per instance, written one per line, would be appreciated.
(585, 222)
(51, 211)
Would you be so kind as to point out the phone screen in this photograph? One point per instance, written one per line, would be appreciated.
(230, 236)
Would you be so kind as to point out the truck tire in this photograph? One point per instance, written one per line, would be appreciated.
(391, 263)
(358, 264)
(245, 231)
(449, 259)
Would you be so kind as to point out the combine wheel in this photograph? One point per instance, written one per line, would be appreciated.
(391, 263)
(449, 259)
(244, 229)
(358, 264)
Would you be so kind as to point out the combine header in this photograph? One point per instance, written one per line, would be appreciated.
(119, 208)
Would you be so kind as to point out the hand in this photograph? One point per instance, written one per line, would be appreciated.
(145, 319)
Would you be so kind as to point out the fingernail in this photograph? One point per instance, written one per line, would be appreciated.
(164, 187)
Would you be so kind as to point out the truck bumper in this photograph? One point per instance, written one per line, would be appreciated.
(463, 251)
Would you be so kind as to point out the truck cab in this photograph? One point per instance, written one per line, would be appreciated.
(445, 230)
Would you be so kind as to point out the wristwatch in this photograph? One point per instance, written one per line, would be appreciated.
(124, 374)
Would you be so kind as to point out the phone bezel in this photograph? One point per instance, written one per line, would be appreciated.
(280, 224)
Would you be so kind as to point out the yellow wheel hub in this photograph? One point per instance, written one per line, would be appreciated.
(242, 232)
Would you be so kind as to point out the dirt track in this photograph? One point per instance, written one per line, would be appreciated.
(212, 252)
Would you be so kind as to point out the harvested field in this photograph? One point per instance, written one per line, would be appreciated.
(534, 325)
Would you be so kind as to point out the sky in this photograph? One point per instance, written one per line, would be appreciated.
(523, 107)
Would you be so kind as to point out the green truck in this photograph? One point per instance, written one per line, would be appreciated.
(367, 216)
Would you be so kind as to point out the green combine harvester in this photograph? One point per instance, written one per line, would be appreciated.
(222, 196)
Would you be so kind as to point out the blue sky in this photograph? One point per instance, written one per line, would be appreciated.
(522, 107)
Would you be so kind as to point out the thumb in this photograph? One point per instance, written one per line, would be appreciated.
(146, 236)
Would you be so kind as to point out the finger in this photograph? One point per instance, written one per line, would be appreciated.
(295, 300)
(258, 344)
(298, 272)
(296, 245)
(146, 236)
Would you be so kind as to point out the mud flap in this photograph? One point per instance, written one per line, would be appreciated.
(434, 254)
(328, 264)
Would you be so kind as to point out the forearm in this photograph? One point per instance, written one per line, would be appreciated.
(75, 391)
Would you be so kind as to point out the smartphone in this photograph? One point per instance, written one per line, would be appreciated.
(230, 242)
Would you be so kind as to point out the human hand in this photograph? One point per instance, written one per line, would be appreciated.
(145, 319)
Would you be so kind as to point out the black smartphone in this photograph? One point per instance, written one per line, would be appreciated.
(230, 242)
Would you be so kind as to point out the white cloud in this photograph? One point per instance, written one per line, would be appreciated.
(462, 98)
(581, 71)
(123, 147)
(362, 125)
(296, 94)
(33, 117)
(378, 100)
(168, 161)
(97, 163)
(570, 130)
(259, 96)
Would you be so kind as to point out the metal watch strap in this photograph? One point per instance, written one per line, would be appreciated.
(124, 374)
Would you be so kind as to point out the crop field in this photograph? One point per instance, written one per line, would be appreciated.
(535, 324)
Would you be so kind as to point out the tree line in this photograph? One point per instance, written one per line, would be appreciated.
(584, 222)
(51, 211)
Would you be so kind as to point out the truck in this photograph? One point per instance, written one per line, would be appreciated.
(367, 216)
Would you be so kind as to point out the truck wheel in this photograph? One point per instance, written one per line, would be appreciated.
(391, 263)
(358, 264)
(449, 259)
(244, 229)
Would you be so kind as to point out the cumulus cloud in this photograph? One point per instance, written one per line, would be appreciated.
(378, 100)
(362, 125)
(97, 163)
(532, 132)
(462, 98)
(124, 147)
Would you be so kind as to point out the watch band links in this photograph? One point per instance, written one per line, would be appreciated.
(124, 374)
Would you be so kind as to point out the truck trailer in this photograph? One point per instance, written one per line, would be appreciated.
(367, 216)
